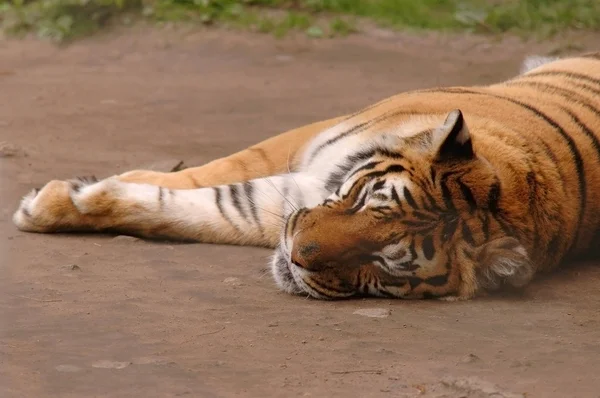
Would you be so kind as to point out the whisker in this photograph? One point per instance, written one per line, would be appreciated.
(278, 216)
(284, 198)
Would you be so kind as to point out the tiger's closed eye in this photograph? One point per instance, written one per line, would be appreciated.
(380, 196)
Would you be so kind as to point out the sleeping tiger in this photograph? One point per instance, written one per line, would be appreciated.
(444, 192)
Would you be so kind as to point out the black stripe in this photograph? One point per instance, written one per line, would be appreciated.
(432, 174)
(493, 198)
(438, 280)
(413, 281)
(532, 184)
(467, 234)
(467, 195)
(526, 80)
(396, 197)
(360, 156)
(485, 226)
(248, 187)
(378, 185)
(446, 194)
(570, 75)
(428, 247)
(532, 199)
(218, 202)
(554, 246)
(235, 199)
(324, 290)
(395, 168)
(389, 154)
(354, 130)
(358, 128)
(409, 199)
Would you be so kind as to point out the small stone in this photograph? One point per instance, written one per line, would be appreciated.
(126, 238)
(68, 368)
(373, 312)
(8, 150)
(150, 361)
(73, 267)
(106, 364)
(273, 324)
(232, 281)
(470, 358)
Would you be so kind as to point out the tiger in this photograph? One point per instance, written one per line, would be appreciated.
(449, 193)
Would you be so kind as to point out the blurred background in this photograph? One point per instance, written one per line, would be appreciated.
(65, 19)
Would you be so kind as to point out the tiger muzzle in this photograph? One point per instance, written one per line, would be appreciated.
(327, 241)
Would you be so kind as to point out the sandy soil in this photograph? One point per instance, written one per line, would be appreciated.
(92, 315)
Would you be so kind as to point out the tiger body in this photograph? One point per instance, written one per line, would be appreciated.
(444, 192)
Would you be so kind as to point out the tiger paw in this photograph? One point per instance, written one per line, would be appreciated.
(52, 209)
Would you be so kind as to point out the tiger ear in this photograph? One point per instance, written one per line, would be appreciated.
(453, 139)
(503, 261)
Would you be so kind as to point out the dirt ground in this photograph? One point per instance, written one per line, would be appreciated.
(95, 316)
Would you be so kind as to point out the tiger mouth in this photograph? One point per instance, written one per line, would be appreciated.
(284, 276)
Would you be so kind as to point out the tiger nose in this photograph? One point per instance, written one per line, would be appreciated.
(305, 255)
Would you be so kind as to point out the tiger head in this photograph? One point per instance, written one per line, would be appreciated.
(422, 220)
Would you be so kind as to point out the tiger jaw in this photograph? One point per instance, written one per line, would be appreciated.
(292, 279)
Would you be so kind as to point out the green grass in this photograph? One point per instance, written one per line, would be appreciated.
(64, 19)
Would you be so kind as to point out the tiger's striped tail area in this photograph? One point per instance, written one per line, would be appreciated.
(248, 213)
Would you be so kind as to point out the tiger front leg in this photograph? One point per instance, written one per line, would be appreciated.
(249, 213)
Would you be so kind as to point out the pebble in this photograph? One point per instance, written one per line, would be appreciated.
(470, 358)
(233, 281)
(373, 312)
(106, 364)
(8, 150)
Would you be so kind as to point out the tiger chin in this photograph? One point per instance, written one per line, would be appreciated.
(447, 192)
